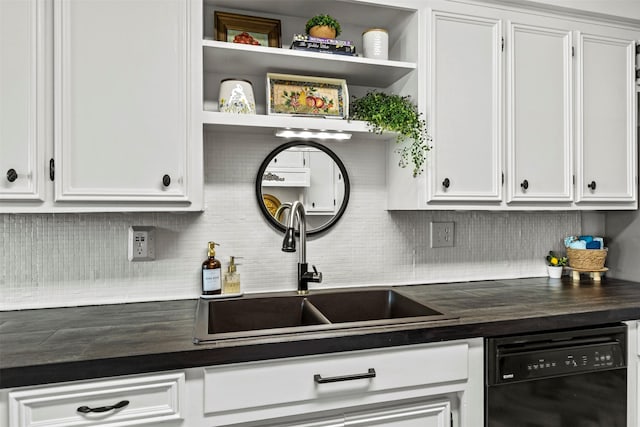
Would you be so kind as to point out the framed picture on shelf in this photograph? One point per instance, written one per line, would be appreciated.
(293, 95)
(245, 29)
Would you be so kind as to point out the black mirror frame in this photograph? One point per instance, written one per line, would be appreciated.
(343, 170)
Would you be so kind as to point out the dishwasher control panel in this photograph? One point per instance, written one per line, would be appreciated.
(540, 364)
(550, 354)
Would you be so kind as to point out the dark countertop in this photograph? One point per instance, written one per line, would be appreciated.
(65, 344)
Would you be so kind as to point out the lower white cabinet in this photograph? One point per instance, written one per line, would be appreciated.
(419, 385)
(154, 399)
(633, 373)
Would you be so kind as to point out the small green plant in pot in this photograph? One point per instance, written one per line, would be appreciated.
(399, 114)
(323, 26)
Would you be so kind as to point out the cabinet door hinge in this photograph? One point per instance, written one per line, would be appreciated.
(52, 169)
(502, 43)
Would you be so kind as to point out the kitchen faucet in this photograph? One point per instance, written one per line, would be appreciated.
(289, 245)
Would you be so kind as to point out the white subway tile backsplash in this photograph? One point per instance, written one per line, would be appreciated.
(51, 260)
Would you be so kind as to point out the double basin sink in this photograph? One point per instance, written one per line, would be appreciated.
(283, 313)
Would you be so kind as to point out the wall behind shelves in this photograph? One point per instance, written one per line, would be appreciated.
(78, 259)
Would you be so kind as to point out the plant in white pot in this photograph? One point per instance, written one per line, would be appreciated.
(555, 264)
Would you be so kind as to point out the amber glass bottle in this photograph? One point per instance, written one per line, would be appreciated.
(211, 273)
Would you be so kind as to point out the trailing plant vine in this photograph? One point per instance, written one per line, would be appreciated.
(399, 114)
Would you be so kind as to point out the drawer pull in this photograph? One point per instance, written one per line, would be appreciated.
(371, 373)
(86, 409)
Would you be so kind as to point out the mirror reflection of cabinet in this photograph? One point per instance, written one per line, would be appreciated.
(307, 172)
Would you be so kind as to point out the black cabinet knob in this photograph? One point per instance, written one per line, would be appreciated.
(12, 175)
(592, 186)
(446, 183)
(525, 184)
(166, 180)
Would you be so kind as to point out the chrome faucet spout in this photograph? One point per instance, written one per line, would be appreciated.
(297, 213)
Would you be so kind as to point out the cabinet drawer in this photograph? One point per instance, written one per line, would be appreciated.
(152, 399)
(275, 387)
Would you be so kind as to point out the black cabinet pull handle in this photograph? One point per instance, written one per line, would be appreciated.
(86, 409)
(592, 186)
(446, 183)
(525, 184)
(52, 169)
(166, 180)
(12, 175)
(371, 373)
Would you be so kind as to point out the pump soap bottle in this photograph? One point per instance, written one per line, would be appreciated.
(211, 268)
(231, 282)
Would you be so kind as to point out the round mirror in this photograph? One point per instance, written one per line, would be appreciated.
(304, 171)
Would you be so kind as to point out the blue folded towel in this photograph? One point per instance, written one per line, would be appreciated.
(593, 245)
(586, 238)
(578, 244)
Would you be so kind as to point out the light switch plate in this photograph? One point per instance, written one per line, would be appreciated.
(142, 243)
(442, 234)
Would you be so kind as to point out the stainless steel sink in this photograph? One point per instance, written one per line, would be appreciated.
(284, 313)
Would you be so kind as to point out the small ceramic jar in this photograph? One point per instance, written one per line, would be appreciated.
(236, 96)
(375, 43)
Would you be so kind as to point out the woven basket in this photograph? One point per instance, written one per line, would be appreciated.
(587, 259)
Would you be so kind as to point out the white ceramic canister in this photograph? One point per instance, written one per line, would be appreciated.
(236, 96)
(375, 43)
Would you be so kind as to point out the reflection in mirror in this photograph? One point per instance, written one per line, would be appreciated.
(304, 171)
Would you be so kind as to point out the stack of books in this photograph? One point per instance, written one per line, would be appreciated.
(315, 44)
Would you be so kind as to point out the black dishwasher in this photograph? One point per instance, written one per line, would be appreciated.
(569, 378)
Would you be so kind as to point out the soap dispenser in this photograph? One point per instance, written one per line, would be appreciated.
(231, 282)
(211, 269)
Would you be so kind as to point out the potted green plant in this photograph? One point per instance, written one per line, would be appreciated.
(395, 113)
(323, 26)
(555, 264)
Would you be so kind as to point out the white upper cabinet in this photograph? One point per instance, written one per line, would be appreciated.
(21, 103)
(528, 110)
(121, 97)
(607, 156)
(96, 113)
(465, 107)
(539, 119)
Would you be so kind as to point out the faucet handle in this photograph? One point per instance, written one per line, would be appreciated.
(316, 276)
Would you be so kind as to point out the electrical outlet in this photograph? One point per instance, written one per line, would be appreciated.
(142, 243)
(442, 234)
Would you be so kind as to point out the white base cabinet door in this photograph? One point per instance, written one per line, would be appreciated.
(429, 414)
(154, 399)
(406, 386)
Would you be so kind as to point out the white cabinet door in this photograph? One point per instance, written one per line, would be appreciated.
(433, 414)
(150, 399)
(539, 114)
(465, 108)
(606, 138)
(122, 82)
(21, 100)
(320, 196)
